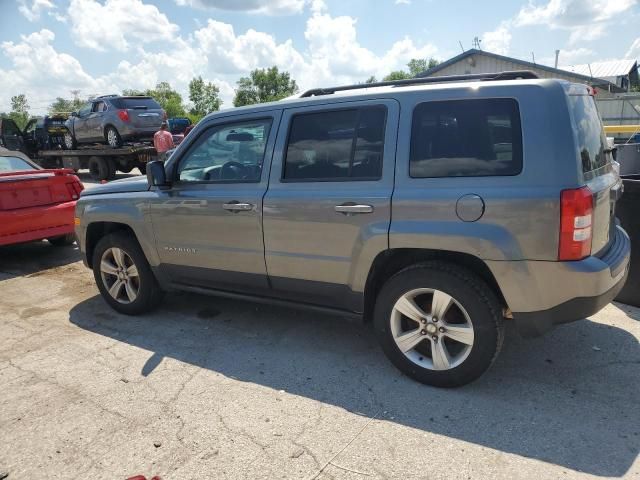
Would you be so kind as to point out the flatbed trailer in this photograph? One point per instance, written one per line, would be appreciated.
(101, 160)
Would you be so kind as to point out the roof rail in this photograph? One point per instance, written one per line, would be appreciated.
(510, 75)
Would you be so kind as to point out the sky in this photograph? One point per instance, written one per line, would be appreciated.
(50, 47)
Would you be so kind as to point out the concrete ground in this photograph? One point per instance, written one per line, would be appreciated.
(221, 389)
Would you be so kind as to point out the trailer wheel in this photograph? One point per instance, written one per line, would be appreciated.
(69, 141)
(99, 168)
(143, 168)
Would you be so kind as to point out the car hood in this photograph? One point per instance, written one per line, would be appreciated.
(132, 184)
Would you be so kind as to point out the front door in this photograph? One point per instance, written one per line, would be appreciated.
(327, 210)
(208, 225)
(11, 135)
(95, 121)
(80, 124)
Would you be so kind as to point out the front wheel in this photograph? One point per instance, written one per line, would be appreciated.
(439, 324)
(69, 141)
(124, 276)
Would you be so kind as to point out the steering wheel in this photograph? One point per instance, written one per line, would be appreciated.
(236, 168)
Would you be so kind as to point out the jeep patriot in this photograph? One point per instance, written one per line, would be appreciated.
(438, 209)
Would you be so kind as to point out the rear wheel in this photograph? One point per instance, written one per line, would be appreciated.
(100, 168)
(124, 276)
(113, 137)
(439, 324)
(63, 240)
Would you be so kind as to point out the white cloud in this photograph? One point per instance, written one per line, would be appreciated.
(586, 20)
(273, 7)
(403, 2)
(32, 9)
(569, 57)
(115, 24)
(499, 40)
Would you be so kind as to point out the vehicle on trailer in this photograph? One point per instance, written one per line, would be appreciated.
(40, 133)
(423, 205)
(114, 120)
(36, 204)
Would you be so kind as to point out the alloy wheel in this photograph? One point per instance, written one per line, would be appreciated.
(112, 137)
(120, 275)
(432, 329)
(68, 141)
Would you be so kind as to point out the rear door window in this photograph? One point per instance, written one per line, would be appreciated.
(466, 138)
(336, 145)
(592, 143)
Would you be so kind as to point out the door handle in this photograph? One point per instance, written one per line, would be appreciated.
(353, 209)
(237, 206)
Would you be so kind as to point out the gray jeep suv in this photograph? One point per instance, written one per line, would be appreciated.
(114, 119)
(438, 211)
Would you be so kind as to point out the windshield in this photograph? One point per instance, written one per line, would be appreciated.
(14, 164)
(592, 143)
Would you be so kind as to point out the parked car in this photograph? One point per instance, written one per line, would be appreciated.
(114, 119)
(178, 127)
(36, 204)
(438, 209)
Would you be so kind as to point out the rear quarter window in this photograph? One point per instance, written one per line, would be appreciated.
(466, 138)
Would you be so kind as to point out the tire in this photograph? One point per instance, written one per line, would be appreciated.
(112, 137)
(100, 168)
(63, 240)
(126, 168)
(70, 141)
(473, 304)
(146, 293)
(143, 168)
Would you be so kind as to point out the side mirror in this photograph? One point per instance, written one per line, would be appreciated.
(156, 174)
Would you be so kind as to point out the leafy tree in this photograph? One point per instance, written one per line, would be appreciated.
(264, 85)
(131, 92)
(65, 105)
(19, 110)
(205, 97)
(371, 79)
(397, 75)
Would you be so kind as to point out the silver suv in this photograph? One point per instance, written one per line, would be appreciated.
(114, 119)
(438, 211)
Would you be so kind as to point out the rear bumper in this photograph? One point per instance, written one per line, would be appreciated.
(543, 294)
(36, 223)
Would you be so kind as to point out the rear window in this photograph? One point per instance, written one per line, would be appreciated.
(14, 164)
(592, 143)
(142, 102)
(466, 138)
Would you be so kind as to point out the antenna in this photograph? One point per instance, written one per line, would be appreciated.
(461, 47)
(533, 57)
(476, 43)
(590, 72)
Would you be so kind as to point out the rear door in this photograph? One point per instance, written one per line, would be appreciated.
(11, 135)
(329, 194)
(596, 164)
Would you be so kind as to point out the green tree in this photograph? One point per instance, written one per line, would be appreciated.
(65, 105)
(205, 97)
(169, 99)
(131, 92)
(19, 110)
(371, 79)
(264, 85)
(397, 75)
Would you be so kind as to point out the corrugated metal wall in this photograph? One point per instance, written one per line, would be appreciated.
(620, 110)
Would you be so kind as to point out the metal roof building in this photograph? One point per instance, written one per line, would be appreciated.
(622, 73)
(478, 61)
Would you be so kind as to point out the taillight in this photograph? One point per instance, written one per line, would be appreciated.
(123, 115)
(576, 217)
(75, 188)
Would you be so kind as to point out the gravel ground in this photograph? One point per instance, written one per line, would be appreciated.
(221, 389)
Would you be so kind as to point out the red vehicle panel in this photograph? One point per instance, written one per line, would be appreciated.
(37, 204)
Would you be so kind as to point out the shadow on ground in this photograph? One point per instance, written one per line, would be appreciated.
(32, 258)
(570, 398)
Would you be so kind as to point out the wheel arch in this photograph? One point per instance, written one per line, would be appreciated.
(389, 262)
(98, 230)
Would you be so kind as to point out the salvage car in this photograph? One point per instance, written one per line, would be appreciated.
(114, 119)
(36, 204)
(424, 206)
(40, 133)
